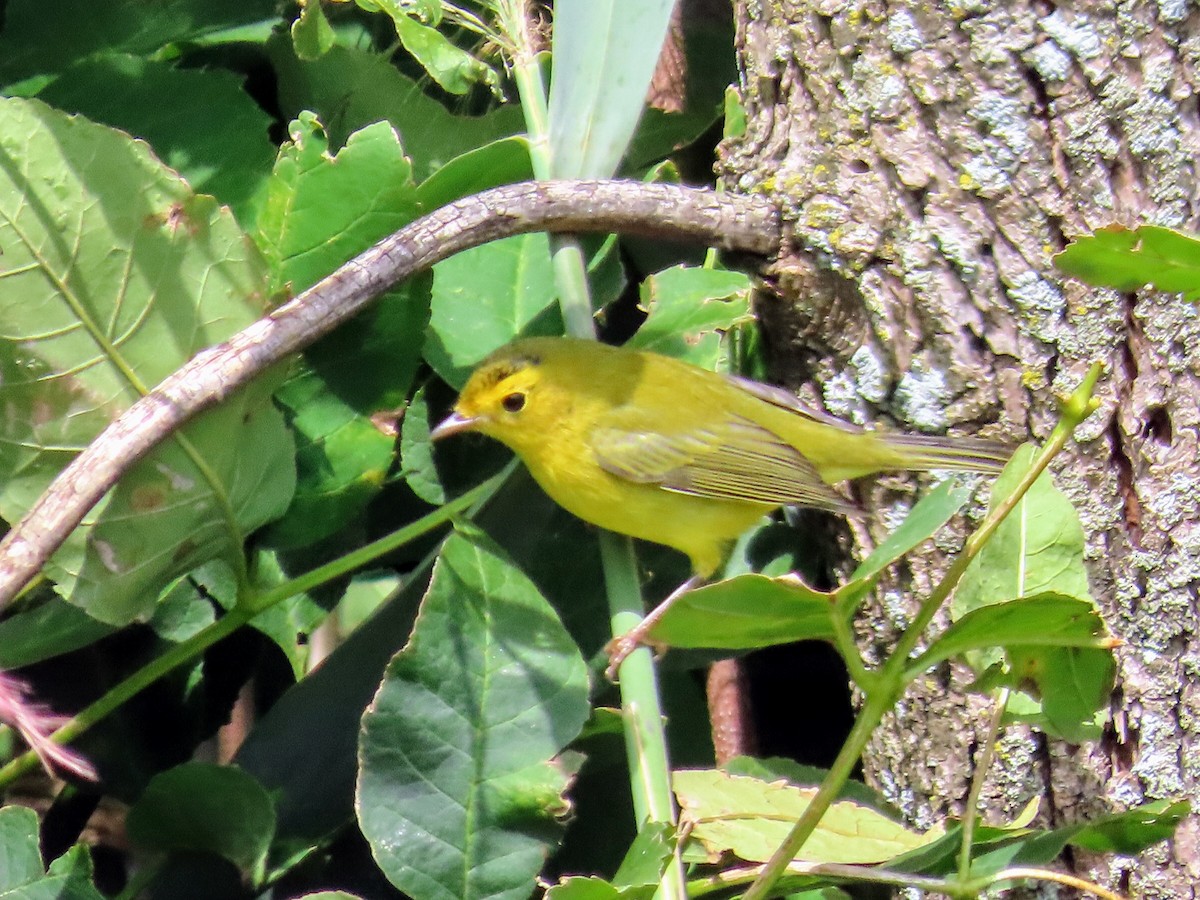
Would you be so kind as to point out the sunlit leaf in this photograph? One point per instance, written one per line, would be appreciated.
(115, 274)
(747, 612)
(1128, 260)
(751, 818)
(688, 309)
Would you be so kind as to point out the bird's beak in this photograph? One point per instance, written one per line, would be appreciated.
(453, 424)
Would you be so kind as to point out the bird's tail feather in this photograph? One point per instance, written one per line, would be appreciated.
(923, 452)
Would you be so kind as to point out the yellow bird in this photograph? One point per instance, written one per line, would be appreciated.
(659, 449)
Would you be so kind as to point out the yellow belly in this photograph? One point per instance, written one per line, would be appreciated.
(701, 527)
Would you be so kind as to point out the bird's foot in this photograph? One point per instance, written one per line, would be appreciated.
(619, 648)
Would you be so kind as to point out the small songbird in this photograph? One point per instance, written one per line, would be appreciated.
(659, 449)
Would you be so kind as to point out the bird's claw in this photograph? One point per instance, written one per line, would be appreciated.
(619, 648)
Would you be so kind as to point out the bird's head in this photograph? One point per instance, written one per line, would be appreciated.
(509, 398)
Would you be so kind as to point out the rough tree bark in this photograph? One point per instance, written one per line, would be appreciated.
(933, 158)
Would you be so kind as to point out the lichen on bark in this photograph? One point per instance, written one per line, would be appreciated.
(931, 158)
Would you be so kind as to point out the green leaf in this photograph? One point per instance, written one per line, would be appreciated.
(48, 35)
(226, 152)
(485, 297)
(751, 818)
(577, 887)
(687, 308)
(999, 847)
(505, 161)
(1037, 549)
(342, 461)
(20, 858)
(205, 807)
(350, 88)
(416, 452)
(456, 70)
(604, 54)
(774, 768)
(1043, 620)
(1073, 686)
(22, 876)
(1116, 257)
(320, 210)
(647, 858)
(323, 209)
(930, 513)
(115, 274)
(48, 629)
(747, 612)
(312, 35)
(1132, 831)
(459, 792)
(68, 878)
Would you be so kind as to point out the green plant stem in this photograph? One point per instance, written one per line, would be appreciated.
(356, 559)
(181, 653)
(725, 879)
(645, 739)
(1023, 873)
(531, 87)
(246, 609)
(843, 639)
(982, 764)
(570, 274)
(895, 675)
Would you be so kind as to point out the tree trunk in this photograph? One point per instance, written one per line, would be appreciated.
(933, 158)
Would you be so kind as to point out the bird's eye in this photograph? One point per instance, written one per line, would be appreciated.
(514, 402)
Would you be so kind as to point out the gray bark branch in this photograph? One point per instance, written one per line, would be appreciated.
(747, 224)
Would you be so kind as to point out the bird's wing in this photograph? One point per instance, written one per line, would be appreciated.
(777, 396)
(734, 460)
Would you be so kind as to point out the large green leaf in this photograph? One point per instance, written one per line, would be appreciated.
(998, 847)
(461, 781)
(1043, 620)
(22, 876)
(483, 298)
(199, 121)
(1038, 548)
(115, 274)
(750, 818)
(20, 858)
(688, 308)
(321, 210)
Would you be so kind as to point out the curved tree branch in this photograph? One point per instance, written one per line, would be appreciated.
(748, 224)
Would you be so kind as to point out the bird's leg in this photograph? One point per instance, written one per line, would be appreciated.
(620, 647)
